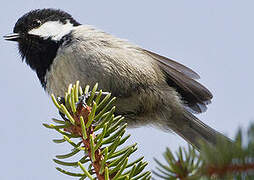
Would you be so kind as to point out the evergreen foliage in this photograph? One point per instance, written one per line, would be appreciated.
(90, 118)
(225, 161)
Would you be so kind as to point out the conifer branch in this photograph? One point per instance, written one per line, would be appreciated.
(227, 160)
(91, 119)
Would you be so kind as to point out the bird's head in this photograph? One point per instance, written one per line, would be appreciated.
(38, 27)
(39, 34)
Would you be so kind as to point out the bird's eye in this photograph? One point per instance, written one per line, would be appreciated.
(36, 23)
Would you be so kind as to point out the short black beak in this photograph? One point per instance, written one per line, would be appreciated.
(12, 37)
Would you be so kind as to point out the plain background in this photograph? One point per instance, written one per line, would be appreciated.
(215, 38)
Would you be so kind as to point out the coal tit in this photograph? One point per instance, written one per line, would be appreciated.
(150, 89)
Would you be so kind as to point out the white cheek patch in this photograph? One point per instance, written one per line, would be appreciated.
(54, 29)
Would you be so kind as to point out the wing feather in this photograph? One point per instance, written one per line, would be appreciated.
(194, 94)
(173, 64)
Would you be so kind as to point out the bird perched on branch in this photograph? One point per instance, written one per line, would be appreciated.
(150, 88)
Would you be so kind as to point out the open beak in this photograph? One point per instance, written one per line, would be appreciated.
(12, 37)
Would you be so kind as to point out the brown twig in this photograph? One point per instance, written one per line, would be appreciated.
(184, 171)
(220, 171)
(84, 111)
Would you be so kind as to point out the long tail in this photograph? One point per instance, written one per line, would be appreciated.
(193, 130)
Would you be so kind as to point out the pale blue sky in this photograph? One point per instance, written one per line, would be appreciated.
(215, 38)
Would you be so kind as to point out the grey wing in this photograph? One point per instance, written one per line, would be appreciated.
(194, 95)
(173, 64)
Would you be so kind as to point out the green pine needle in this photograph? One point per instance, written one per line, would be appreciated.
(75, 151)
(85, 171)
(70, 173)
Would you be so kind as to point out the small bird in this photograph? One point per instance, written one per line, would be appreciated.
(150, 89)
